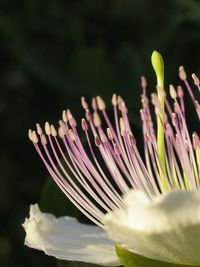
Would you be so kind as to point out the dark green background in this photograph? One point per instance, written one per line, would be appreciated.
(51, 53)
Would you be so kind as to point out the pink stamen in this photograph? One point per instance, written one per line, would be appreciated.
(83, 178)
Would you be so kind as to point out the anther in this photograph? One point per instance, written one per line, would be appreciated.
(109, 134)
(114, 100)
(122, 126)
(30, 135)
(34, 137)
(68, 113)
(47, 128)
(72, 121)
(94, 103)
(119, 102)
(172, 91)
(187, 147)
(103, 137)
(100, 103)
(53, 131)
(145, 101)
(124, 107)
(88, 115)
(196, 79)
(64, 116)
(84, 103)
(182, 73)
(60, 132)
(143, 115)
(63, 127)
(180, 91)
(143, 82)
(39, 129)
(195, 139)
(96, 119)
(176, 108)
(84, 125)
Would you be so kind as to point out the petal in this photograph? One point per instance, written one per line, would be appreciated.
(166, 229)
(67, 239)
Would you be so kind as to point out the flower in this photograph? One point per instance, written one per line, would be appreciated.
(149, 206)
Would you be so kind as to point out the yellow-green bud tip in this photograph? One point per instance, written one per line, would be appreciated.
(158, 65)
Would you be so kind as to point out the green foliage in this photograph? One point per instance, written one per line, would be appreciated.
(130, 259)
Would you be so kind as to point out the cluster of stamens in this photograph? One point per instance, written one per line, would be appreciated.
(97, 186)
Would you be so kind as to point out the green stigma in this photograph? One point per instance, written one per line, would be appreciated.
(158, 65)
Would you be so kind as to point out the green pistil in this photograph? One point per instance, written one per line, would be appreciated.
(158, 65)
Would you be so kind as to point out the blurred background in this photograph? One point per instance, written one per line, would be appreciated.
(53, 52)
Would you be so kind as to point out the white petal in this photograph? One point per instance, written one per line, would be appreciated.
(166, 229)
(67, 239)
